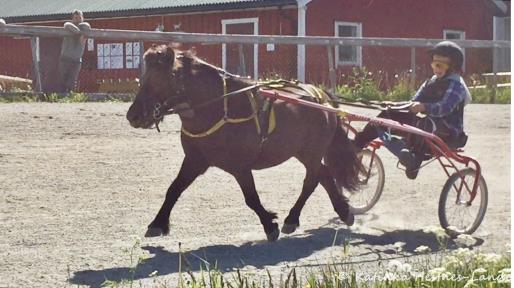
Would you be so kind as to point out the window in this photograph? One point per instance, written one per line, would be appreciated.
(110, 55)
(348, 55)
(132, 55)
(456, 35)
(118, 55)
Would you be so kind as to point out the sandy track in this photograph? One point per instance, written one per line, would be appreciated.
(78, 184)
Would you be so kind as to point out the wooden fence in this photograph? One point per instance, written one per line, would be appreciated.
(330, 42)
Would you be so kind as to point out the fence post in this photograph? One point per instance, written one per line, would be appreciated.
(242, 64)
(495, 72)
(142, 67)
(331, 69)
(34, 44)
(413, 68)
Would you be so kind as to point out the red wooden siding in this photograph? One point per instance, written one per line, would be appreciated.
(379, 18)
(398, 19)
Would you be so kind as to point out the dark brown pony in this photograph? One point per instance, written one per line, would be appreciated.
(179, 80)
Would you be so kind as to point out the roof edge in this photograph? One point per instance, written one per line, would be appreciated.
(152, 11)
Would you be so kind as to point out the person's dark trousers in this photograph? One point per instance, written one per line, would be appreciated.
(370, 131)
(69, 71)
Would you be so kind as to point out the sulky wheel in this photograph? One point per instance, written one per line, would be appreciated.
(371, 183)
(456, 214)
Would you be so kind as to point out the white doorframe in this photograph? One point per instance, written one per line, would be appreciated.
(462, 36)
(255, 21)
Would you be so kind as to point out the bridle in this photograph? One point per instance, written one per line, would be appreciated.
(184, 104)
(165, 108)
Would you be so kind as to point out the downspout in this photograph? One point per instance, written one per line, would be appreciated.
(302, 20)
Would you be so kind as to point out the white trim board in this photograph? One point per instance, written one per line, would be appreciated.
(255, 21)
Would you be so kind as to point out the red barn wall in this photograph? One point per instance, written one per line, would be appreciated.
(15, 57)
(398, 19)
(379, 18)
(17, 61)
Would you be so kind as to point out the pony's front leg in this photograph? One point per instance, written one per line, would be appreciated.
(309, 184)
(191, 168)
(247, 184)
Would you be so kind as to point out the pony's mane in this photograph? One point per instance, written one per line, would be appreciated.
(189, 57)
(186, 59)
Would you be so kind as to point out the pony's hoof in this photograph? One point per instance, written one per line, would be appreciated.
(289, 228)
(350, 219)
(273, 235)
(154, 232)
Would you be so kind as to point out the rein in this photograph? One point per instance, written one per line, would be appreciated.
(273, 84)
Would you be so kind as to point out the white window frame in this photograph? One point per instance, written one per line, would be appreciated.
(337, 24)
(136, 58)
(100, 56)
(462, 36)
(255, 21)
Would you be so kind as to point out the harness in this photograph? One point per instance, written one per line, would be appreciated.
(264, 118)
(226, 119)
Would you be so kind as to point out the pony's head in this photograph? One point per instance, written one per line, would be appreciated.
(162, 87)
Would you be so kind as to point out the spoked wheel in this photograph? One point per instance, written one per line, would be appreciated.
(456, 213)
(371, 183)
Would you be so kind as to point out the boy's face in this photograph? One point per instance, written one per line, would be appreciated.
(77, 18)
(440, 65)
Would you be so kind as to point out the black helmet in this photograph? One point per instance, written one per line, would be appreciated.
(450, 50)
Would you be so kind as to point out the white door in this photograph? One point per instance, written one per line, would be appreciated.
(240, 59)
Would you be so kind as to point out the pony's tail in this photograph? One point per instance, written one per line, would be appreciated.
(342, 160)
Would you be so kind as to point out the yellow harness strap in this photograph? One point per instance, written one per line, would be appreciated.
(226, 119)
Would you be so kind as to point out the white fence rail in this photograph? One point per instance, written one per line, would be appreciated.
(42, 31)
(329, 42)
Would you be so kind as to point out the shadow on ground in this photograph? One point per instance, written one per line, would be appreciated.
(261, 254)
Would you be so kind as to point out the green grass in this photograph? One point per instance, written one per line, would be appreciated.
(459, 268)
(362, 84)
(59, 98)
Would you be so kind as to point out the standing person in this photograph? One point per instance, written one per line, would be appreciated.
(70, 60)
(441, 99)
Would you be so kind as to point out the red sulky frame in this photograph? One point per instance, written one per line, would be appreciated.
(438, 147)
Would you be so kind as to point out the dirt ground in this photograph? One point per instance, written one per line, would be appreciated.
(78, 185)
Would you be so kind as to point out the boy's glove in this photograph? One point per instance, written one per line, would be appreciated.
(417, 107)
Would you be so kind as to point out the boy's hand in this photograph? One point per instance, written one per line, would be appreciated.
(417, 107)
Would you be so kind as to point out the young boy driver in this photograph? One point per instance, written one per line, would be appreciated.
(441, 99)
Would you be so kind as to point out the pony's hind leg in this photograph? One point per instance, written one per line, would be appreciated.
(339, 202)
(191, 168)
(310, 182)
(247, 184)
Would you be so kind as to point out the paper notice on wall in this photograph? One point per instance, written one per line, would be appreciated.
(100, 63)
(107, 63)
(128, 48)
(128, 62)
(136, 49)
(90, 44)
(100, 50)
(117, 49)
(117, 62)
(107, 50)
